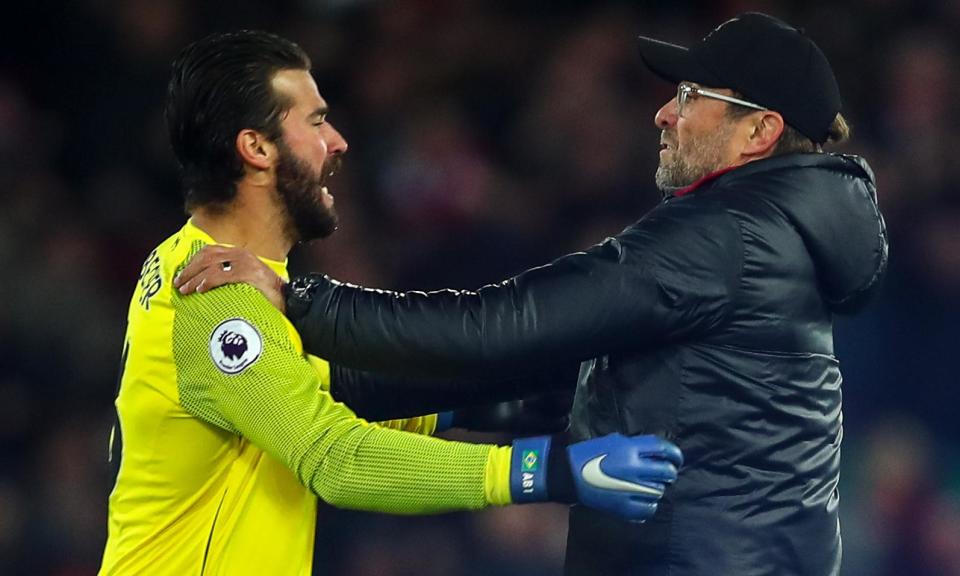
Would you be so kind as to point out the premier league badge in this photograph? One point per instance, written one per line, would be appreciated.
(234, 345)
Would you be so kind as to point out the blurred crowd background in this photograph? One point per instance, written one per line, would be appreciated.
(485, 137)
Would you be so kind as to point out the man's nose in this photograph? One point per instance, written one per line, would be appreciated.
(336, 143)
(667, 115)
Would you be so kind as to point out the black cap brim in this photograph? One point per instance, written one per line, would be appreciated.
(674, 63)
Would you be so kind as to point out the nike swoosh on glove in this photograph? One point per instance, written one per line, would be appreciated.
(624, 475)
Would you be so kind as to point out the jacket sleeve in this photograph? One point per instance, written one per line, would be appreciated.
(668, 276)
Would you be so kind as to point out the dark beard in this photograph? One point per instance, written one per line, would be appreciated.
(299, 189)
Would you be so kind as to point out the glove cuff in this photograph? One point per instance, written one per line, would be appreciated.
(529, 467)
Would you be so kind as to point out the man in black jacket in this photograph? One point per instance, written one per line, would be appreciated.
(709, 321)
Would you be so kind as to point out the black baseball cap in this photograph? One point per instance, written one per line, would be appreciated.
(766, 60)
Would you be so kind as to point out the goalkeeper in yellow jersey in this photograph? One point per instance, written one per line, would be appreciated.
(227, 431)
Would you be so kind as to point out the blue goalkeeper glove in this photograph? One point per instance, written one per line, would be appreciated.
(623, 475)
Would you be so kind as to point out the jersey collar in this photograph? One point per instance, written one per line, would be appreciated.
(278, 267)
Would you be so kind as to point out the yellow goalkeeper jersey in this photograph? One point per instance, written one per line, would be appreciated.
(228, 434)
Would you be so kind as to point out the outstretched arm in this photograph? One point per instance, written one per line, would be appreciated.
(571, 310)
(667, 277)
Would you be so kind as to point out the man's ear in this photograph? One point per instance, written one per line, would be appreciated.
(255, 149)
(767, 128)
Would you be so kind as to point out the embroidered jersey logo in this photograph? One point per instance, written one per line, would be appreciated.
(235, 345)
(593, 475)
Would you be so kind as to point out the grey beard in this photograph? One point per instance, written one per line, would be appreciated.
(667, 178)
(663, 182)
(701, 157)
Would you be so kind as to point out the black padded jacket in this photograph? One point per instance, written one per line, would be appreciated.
(709, 321)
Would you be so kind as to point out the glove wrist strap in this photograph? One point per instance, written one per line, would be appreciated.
(529, 466)
(560, 483)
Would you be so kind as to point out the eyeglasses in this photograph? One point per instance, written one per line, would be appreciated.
(687, 91)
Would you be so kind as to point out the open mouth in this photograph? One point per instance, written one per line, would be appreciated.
(666, 144)
(330, 167)
(326, 197)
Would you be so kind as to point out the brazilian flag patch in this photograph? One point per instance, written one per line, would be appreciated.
(531, 460)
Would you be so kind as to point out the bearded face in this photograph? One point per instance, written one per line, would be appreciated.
(682, 164)
(302, 190)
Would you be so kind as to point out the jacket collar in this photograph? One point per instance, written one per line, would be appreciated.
(839, 162)
(708, 178)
